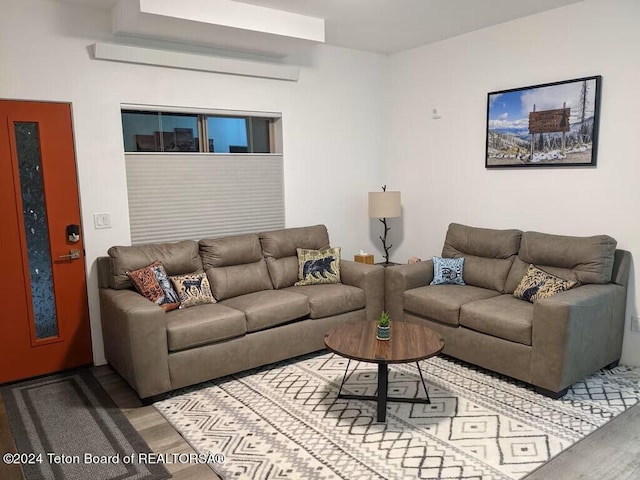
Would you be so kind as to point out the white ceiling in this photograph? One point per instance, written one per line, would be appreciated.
(389, 26)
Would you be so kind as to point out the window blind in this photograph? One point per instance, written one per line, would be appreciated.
(192, 196)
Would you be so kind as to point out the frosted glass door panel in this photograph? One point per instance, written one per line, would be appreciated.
(36, 229)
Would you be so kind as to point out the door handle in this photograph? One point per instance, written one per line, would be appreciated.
(72, 255)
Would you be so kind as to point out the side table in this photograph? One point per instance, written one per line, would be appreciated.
(388, 264)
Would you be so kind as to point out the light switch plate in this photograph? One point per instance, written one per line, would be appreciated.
(101, 220)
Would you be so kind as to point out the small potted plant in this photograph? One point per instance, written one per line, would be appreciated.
(383, 331)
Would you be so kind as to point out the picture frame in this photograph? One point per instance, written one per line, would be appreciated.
(547, 125)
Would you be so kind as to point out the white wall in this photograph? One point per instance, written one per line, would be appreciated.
(439, 164)
(338, 133)
(332, 118)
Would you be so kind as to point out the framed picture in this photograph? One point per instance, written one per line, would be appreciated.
(548, 125)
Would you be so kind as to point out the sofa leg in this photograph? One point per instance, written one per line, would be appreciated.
(551, 393)
(155, 398)
(612, 365)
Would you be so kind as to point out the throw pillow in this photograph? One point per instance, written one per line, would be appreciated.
(171, 299)
(537, 284)
(149, 284)
(448, 271)
(193, 289)
(318, 266)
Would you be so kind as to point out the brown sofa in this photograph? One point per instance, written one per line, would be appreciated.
(551, 343)
(260, 317)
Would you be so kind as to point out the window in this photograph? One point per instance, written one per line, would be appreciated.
(157, 131)
(193, 174)
(160, 132)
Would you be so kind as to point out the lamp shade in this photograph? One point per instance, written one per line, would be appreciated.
(384, 204)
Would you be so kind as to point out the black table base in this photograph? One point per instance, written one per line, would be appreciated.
(382, 398)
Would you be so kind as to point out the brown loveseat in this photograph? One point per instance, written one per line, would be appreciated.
(551, 343)
(260, 316)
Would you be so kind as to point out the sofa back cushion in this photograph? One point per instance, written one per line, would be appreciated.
(279, 248)
(226, 251)
(582, 259)
(235, 265)
(488, 254)
(177, 258)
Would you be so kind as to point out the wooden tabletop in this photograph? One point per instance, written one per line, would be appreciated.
(409, 342)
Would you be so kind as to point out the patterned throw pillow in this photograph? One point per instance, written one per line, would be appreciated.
(193, 289)
(148, 281)
(171, 299)
(318, 266)
(537, 284)
(448, 271)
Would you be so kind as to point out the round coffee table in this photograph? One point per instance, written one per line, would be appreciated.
(409, 342)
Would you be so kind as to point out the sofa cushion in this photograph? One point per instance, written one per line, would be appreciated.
(153, 283)
(316, 267)
(537, 284)
(502, 316)
(283, 243)
(519, 270)
(331, 299)
(583, 259)
(193, 289)
(171, 297)
(227, 251)
(283, 271)
(488, 253)
(235, 265)
(232, 281)
(269, 308)
(147, 285)
(192, 327)
(177, 259)
(448, 271)
(442, 302)
(279, 248)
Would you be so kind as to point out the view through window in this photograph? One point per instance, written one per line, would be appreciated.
(158, 131)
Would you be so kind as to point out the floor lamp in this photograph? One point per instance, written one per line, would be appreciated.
(383, 205)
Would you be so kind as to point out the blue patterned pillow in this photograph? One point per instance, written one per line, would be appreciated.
(448, 271)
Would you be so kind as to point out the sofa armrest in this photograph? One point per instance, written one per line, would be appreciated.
(135, 340)
(369, 278)
(400, 278)
(576, 333)
(621, 267)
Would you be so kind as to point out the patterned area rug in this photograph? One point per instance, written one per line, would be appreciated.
(284, 421)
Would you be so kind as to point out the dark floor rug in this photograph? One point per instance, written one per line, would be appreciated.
(68, 428)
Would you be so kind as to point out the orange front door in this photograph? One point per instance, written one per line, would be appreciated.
(44, 319)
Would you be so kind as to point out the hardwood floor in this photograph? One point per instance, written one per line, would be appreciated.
(7, 472)
(152, 427)
(609, 453)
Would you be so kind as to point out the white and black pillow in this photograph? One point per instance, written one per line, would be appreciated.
(448, 271)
